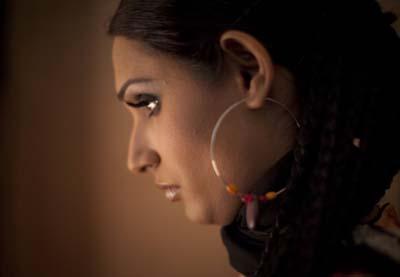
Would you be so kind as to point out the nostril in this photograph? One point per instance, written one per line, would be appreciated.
(137, 169)
(142, 164)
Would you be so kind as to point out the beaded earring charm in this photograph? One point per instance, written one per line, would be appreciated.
(252, 202)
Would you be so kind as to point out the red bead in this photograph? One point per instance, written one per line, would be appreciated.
(247, 198)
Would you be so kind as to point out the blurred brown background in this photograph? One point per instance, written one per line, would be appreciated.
(69, 205)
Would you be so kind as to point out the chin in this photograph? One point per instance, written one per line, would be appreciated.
(199, 215)
(207, 217)
(199, 218)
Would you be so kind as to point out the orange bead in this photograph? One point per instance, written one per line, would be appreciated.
(232, 189)
(270, 195)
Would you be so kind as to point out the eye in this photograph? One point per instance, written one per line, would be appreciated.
(149, 101)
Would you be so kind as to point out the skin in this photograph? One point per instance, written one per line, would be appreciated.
(173, 144)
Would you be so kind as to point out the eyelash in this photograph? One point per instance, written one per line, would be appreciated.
(146, 103)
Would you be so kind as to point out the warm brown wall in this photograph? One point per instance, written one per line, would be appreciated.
(49, 230)
(70, 206)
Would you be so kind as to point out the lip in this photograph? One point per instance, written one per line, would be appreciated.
(165, 186)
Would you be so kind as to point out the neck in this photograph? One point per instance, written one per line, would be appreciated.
(245, 246)
(273, 179)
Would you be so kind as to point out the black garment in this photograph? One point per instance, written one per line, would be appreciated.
(360, 253)
(246, 246)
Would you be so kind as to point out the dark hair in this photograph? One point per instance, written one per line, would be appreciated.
(345, 57)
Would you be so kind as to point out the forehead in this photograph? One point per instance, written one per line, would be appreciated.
(132, 59)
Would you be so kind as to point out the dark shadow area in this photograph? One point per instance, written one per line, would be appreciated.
(6, 127)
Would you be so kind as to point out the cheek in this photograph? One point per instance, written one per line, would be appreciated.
(185, 143)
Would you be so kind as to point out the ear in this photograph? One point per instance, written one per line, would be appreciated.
(252, 61)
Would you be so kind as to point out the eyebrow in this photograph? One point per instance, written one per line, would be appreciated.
(121, 92)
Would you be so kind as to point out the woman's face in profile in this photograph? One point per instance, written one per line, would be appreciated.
(171, 138)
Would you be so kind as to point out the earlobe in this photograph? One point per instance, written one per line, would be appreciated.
(252, 61)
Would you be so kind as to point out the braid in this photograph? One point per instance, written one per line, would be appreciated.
(313, 206)
(310, 214)
(333, 183)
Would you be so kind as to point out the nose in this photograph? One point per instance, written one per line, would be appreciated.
(143, 163)
(141, 158)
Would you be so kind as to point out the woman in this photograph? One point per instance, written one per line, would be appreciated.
(297, 170)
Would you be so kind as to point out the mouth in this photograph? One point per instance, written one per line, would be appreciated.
(172, 192)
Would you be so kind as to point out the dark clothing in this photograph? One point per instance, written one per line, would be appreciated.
(246, 246)
(374, 249)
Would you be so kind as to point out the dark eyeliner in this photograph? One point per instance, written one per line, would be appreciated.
(149, 98)
(139, 97)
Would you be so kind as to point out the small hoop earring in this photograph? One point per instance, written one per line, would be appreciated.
(251, 200)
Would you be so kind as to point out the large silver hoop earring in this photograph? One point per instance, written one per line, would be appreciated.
(251, 200)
